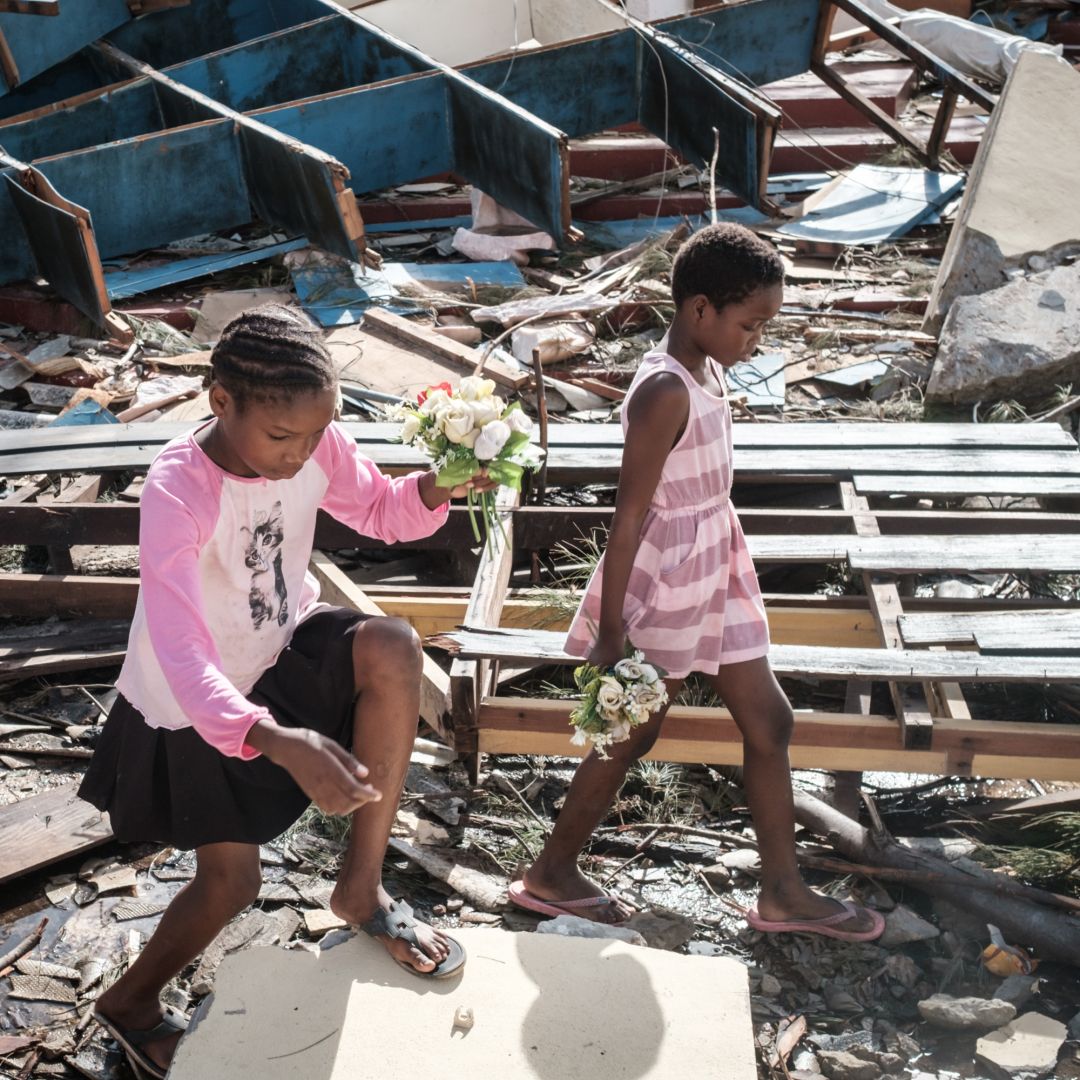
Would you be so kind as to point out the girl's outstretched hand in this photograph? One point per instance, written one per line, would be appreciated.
(434, 497)
(480, 483)
(326, 772)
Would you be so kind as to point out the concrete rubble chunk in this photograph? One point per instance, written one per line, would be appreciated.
(1003, 344)
(1029, 1045)
(662, 929)
(1019, 208)
(576, 926)
(841, 1065)
(1074, 1028)
(965, 1014)
(1017, 989)
(903, 926)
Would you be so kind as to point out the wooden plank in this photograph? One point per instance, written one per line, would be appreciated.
(1047, 632)
(45, 828)
(36, 595)
(337, 588)
(911, 702)
(901, 665)
(62, 637)
(917, 554)
(966, 485)
(961, 471)
(512, 725)
(85, 489)
(464, 358)
(19, 668)
(784, 537)
(469, 678)
(812, 435)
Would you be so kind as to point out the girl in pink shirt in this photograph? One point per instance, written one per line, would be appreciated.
(242, 697)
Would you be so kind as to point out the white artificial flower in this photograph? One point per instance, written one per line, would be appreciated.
(648, 674)
(580, 737)
(492, 439)
(519, 421)
(484, 410)
(629, 670)
(647, 699)
(619, 732)
(455, 421)
(474, 388)
(610, 696)
(436, 399)
(410, 429)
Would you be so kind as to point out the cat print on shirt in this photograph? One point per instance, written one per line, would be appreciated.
(268, 596)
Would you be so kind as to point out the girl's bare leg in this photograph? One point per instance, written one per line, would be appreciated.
(555, 874)
(763, 715)
(387, 664)
(226, 881)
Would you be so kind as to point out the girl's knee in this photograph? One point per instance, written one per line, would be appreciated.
(641, 741)
(387, 645)
(770, 730)
(235, 885)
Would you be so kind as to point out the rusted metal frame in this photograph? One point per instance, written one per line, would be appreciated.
(36, 183)
(942, 122)
(145, 7)
(348, 210)
(30, 7)
(911, 701)
(915, 52)
(9, 70)
(954, 82)
(873, 112)
(464, 85)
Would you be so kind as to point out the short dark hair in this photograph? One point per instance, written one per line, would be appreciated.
(269, 352)
(726, 263)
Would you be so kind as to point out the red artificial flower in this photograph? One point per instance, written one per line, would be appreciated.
(422, 396)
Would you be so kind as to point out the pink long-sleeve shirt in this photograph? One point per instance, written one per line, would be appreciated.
(225, 581)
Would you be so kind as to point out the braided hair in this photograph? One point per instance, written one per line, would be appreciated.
(271, 353)
(725, 263)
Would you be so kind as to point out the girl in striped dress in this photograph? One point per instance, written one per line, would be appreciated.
(678, 581)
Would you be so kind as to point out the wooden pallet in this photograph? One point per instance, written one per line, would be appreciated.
(925, 651)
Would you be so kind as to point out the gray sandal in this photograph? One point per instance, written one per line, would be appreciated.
(399, 922)
(133, 1041)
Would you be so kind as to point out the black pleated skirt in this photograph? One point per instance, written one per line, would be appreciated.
(173, 787)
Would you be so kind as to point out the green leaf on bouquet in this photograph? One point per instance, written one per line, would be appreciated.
(517, 440)
(457, 471)
(506, 473)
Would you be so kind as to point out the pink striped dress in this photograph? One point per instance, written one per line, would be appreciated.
(693, 601)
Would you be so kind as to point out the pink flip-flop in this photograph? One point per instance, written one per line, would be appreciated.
(825, 926)
(522, 898)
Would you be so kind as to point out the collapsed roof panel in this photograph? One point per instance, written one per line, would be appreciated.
(27, 48)
(224, 109)
(758, 42)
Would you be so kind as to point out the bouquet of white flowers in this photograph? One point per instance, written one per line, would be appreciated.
(615, 700)
(467, 430)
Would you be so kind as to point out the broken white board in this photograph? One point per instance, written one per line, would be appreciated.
(544, 1008)
(1020, 199)
(759, 380)
(872, 204)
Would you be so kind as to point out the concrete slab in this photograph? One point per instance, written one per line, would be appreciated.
(1020, 198)
(544, 1008)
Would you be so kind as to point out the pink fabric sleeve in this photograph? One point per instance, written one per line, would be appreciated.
(368, 501)
(170, 537)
